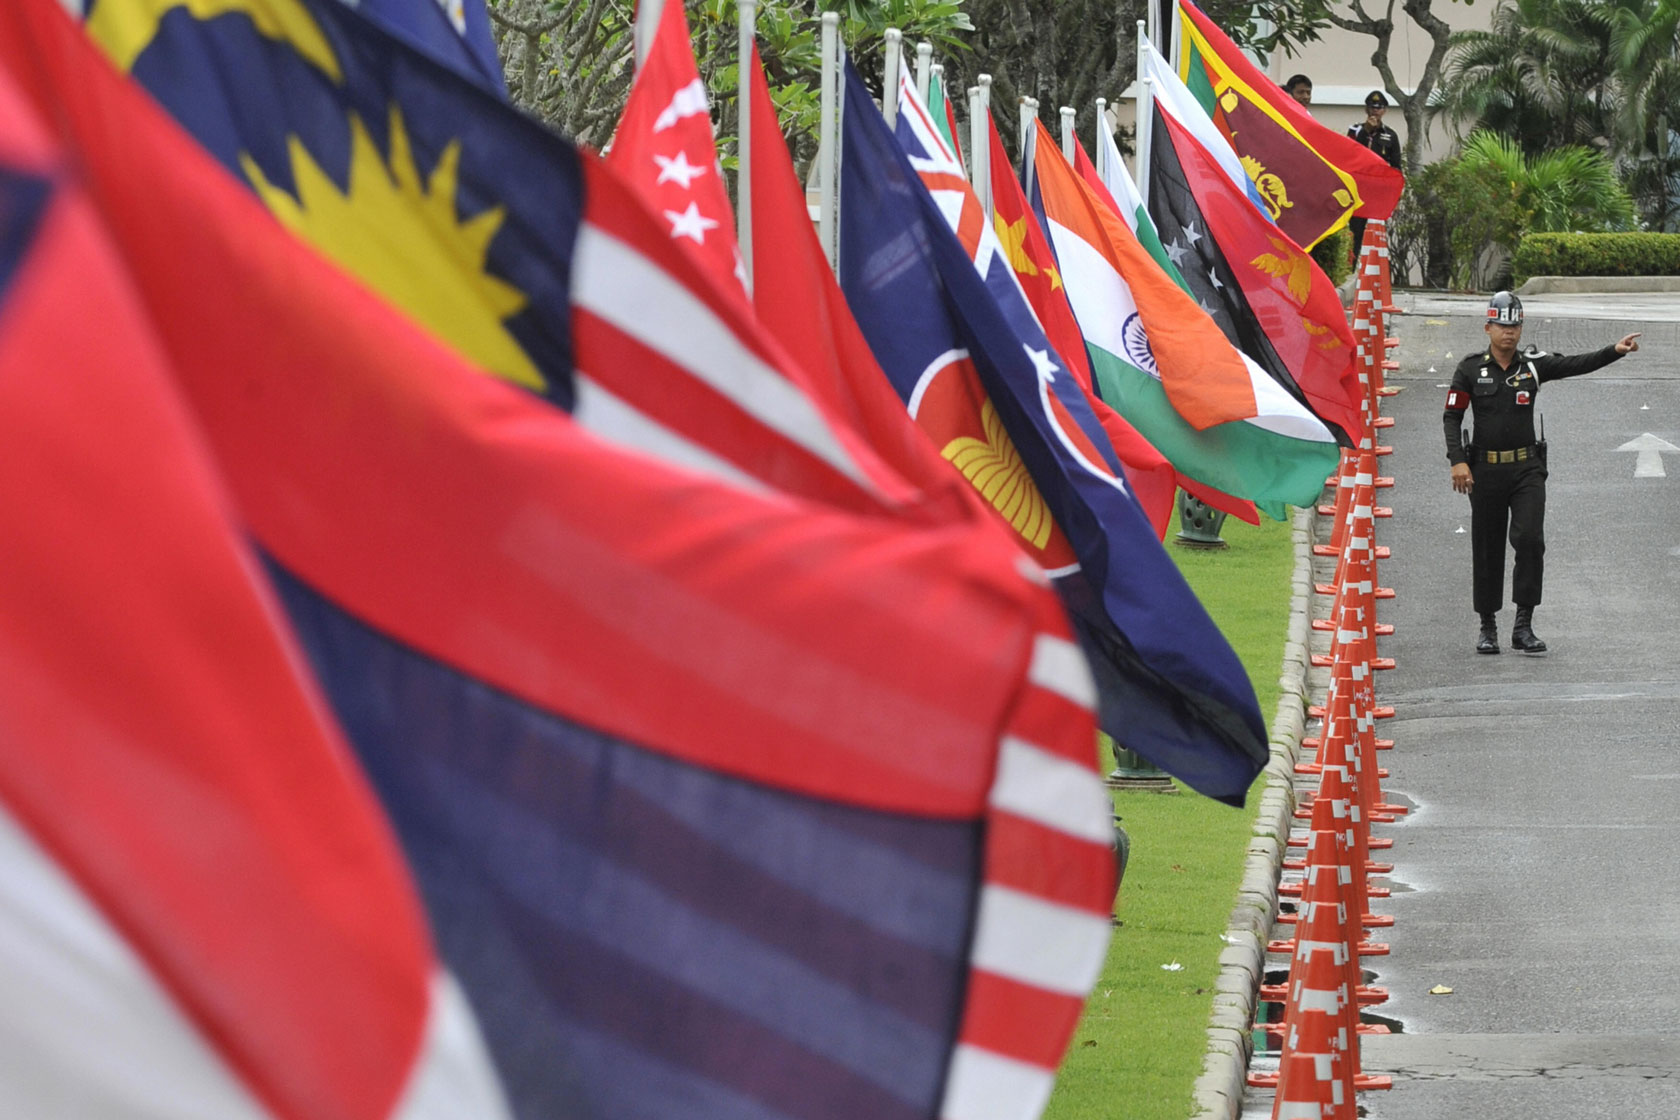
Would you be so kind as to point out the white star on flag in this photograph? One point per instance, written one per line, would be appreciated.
(1041, 362)
(690, 223)
(677, 170)
(1177, 251)
(1190, 233)
(1214, 276)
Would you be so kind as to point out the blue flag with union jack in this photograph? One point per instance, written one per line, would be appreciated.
(954, 334)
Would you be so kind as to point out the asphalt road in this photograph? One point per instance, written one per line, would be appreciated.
(1537, 875)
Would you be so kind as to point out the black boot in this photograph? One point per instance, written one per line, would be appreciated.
(1523, 637)
(1488, 640)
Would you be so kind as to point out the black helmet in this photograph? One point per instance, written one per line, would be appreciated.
(1505, 309)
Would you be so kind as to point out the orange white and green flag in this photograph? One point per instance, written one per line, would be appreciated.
(1150, 474)
(1161, 361)
(1311, 178)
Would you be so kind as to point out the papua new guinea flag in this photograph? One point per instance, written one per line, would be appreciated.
(985, 385)
(1311, 178)
(1160, 358)
(1266, 293)
(719, 804)
(463, 213)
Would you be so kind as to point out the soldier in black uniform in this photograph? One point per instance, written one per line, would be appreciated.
(1382, 140)
(1504, 469)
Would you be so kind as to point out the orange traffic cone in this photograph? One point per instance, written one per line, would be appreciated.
(1346, 483)
(1340, 700)
(1323, 984)
(1362, 479)
(1332, 817)
(1340, 758)
(1320, 927)
(1355, 572)
(1316, 1000)
(1367, 338)
(1339, 750)
(1376, 233)
(1374, 281)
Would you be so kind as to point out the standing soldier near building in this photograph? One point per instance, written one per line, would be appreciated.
(1503, 469)
(1382, 140)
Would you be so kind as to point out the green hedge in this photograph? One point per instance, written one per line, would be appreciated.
(1333, 255)
(1597, 254)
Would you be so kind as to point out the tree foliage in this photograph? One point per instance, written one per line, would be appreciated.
(1462, 219)
(1540, 74)
(570, 62)
(1378, 22)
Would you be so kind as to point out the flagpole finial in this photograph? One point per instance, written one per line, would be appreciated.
(892, 40)
(1100, 150)
(924, 68)
(979, 143)
(1069, 114)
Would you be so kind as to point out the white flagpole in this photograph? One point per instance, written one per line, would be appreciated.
(647, 25)
(828, 142)
(747, 11)
(924, 69)
(1029, 115)
(892, 37)
(979, 144)
(1173, 42)
(1145, 114)
(1101, 153)
(1068, 115)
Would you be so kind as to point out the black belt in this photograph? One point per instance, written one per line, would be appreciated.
(1520, 455)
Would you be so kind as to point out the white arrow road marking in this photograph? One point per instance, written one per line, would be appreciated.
(1648, 463)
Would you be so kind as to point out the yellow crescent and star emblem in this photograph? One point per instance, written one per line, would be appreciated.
(391, 225)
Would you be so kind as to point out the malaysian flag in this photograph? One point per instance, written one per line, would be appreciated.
(534, 264)
(704, 802)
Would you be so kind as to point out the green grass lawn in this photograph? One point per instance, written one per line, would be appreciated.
(1139, 1047)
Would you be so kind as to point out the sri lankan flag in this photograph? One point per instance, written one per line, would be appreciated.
(1311, 178)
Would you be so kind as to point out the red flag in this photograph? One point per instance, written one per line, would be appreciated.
(665, 150)
(1153, 481)
(800, 304)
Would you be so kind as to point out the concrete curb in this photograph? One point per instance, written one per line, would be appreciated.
(1219, 1090)
(1561, 285)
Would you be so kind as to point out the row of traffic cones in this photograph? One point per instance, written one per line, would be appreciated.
(1319, 1068)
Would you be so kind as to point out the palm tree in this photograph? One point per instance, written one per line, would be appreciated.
(1644, 35)
(1571, 189)
(1540, 74)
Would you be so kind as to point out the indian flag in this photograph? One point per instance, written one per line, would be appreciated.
(1161, 361)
